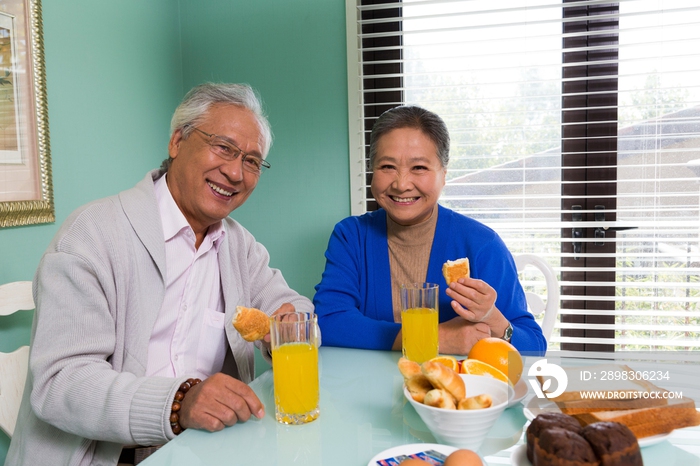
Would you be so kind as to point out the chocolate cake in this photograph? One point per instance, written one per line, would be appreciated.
(546, 421)
(562, 447)
(613, 443)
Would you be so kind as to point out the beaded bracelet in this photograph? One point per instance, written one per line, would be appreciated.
(177, 404)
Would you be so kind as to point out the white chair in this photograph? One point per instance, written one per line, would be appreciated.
(534, 302)
(15, 296)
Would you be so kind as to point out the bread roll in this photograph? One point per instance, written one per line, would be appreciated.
(439, 398)
(476, 402)
(454, 270)
(444, 378)
(253, 324)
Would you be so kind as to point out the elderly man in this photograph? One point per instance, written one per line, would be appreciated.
(136, 293)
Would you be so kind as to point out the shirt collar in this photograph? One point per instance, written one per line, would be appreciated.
(173, 220)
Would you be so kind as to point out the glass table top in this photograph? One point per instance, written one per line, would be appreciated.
(363, 413)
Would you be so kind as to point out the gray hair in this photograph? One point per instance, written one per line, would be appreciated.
(194, 107)
(412, 116)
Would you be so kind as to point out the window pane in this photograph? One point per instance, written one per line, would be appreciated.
(613, 119)
(492, 71)
(658, 184)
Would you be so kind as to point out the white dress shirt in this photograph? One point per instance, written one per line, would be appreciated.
(188, 336)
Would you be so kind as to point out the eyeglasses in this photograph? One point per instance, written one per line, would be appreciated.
(227, 150)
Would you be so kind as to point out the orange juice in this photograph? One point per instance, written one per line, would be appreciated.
(295, 377)
(419, 333)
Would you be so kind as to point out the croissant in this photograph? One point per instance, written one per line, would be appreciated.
(253, 324)
(408, 368)
(418, 386)
(439, 398)
(445, 378)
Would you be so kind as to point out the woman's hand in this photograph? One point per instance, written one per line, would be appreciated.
(457, 336)
(472, 299)
(475, 301)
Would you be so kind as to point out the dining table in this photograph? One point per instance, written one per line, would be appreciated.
(363, 412)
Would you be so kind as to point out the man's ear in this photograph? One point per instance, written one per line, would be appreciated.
(174, 144)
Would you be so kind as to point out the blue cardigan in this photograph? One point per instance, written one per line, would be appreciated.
(354, 302)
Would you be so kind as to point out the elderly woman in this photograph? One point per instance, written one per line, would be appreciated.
(406, 241)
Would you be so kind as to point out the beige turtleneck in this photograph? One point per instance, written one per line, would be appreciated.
(409, 254)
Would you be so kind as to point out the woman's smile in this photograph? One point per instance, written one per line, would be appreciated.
(408, 176)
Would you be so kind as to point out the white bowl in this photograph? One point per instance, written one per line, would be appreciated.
(465, 428)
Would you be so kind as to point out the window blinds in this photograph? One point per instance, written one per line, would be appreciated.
(575, 131)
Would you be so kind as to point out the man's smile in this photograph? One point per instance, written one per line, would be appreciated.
(219, 190)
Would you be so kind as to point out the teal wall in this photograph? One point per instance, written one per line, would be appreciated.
(113, 79)
(116, 71)
(293, 53)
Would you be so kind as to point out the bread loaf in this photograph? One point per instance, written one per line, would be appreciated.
(639, 404)
(587, 406)
(645, 422)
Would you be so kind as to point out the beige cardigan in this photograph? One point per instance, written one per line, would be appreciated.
(98, 289)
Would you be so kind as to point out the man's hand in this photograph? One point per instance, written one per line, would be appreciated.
(457, 336)
(217, 402)
(283, 309)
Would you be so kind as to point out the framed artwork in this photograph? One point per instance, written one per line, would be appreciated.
(26, 190)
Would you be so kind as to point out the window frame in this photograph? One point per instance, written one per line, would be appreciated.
(589, 152)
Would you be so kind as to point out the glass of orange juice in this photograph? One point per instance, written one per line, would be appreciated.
(419, 321)
(294, 339)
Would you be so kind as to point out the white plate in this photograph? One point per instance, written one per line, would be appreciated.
(410, 449)
(520, 393)
(518, 457)
(653, 440)
(537, 405)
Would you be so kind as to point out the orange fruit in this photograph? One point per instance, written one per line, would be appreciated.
(476, 367)
(447, 361)
(499, 354)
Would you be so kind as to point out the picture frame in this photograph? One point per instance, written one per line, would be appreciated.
(26, 189)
